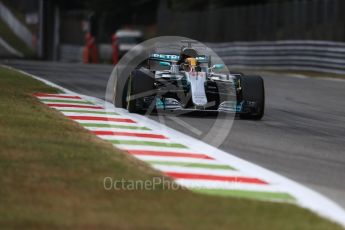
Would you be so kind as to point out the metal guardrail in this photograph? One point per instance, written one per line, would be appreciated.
(70, 53)
(323, 56)
(74, 53)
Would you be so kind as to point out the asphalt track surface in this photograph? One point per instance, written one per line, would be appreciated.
(302, 135)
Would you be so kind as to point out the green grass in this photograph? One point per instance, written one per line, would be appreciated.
(52, 171)
(7, 34)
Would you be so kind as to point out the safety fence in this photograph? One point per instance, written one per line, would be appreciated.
(74, 53)
(70, 53)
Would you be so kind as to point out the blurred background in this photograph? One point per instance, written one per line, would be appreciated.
(101, 31)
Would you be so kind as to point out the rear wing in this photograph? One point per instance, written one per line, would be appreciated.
(175, 57)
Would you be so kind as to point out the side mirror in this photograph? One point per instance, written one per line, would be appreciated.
(164, 63)
(218, 66)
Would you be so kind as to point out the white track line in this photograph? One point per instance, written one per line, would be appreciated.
(105, 122)
(134, 138)
(80, 109)
(61, 99)
(67, 103)
(178, 159)
(207, 184)
(140, 131)
(67, 107)
(155, 148)
(204, 171)
(89, 114)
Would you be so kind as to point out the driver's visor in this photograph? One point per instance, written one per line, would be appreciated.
(191, 61)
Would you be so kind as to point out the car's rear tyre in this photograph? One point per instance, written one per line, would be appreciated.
(140, 85)
(253, 90)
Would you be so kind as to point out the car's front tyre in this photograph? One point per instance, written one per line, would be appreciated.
(140, 85)
(253, 90)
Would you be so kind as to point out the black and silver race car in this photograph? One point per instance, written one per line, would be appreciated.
(187, 81)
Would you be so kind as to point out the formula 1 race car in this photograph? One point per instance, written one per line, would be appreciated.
(187, 81)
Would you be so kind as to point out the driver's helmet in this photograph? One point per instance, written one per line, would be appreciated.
(191, 63)
(188, 58)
